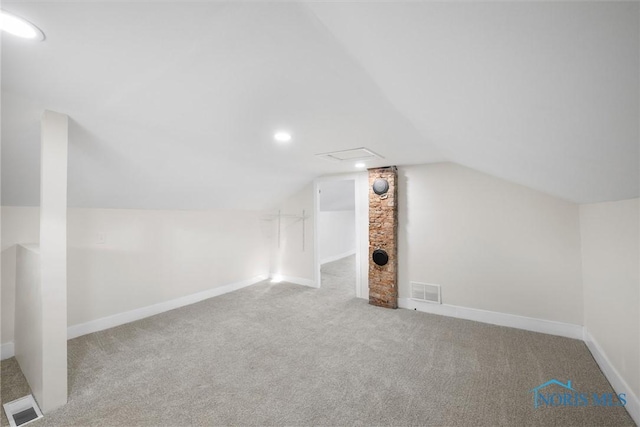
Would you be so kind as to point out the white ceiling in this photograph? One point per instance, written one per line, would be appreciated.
(174, 104)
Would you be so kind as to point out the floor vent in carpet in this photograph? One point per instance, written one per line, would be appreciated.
(426, 292)
(22, 411)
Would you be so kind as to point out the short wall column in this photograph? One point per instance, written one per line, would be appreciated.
(53, 258)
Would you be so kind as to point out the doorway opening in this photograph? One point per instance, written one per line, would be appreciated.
(339, 234)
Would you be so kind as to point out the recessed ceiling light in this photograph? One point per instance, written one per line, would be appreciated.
(360, 165)
(282, 136)
(19, 27)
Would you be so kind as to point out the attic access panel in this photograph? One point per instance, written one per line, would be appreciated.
(350, 155)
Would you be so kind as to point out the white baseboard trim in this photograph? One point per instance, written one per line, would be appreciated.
(538, 325)
(74, 331)
(299, 281)
(496, 318)
(7, 350)
(337, 257)
(615, 379)
(151, 310)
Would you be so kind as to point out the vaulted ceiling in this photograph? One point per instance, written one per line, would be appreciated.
(174, 104)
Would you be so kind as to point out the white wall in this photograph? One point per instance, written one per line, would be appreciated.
(53, 260)
(293, 255)
(19, 225)
(29, 338)
(337, 194)
(147, 257)
(610, 260)
(491, 244)
(336, 234)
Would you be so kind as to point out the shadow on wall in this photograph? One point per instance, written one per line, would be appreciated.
(403, 247)
(8, 293)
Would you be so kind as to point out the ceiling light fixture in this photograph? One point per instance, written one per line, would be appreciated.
(19, 27)
(282, 136)
(360, 165)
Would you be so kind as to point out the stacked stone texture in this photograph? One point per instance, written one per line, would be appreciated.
(383, 230)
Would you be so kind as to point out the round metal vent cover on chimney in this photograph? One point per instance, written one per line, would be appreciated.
(380, 257)
(380, 186)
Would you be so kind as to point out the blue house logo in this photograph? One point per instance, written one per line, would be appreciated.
(537, 394)
(570, 397)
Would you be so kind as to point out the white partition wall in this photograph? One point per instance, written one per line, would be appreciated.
(28, 315)
(41, 287)
(53, 258)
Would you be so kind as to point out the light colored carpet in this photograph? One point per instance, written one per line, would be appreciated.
(282, 354)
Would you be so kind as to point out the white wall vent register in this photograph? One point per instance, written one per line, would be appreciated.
(22, 411)
(426, 292)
